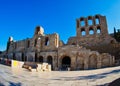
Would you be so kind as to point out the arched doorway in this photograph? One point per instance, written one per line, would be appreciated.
(35, 57)
(92, 61)
(22, 56)
(66, 62)
(40, 59)
(49, 61)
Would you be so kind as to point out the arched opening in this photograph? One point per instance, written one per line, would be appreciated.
(112, 41)
(22, 56)
(35, 57)
(82, 22)
(105, 60)
(98, 30)
(93, 61)
(35, 43)
(73, 43)
(90, 21)
(40, 59)
(14, 58)
(49, 61)
(83, 33)
(46, 41)
(97, 19)
(66, 62)
(28, 43)
(91, 31)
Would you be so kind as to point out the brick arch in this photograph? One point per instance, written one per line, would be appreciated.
(83, 32)
(98, 30)
(97, 19)
(82, 22)
(105, 60)
(40, 59)
(82, 19)
(91, 31)
(90, 20)
(65, 62)
(50, 60)
(80, 62)
(89, 17)
(92, 62)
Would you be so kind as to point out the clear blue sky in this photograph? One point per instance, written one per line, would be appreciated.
(18, 18)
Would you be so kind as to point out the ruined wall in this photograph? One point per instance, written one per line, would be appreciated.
(82, 58)
(39, 42)
(91, 31)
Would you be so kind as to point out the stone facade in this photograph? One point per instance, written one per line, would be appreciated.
(75, 54)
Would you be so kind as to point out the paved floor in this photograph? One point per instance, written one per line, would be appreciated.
(22, 77)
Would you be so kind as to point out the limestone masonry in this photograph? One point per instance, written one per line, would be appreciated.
(91, 48)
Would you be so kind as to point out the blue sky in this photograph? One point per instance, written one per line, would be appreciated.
(18, 18)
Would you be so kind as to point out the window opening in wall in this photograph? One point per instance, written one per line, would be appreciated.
(15, 45)
(35, 43)
(14, 58)
(97, 21)
(73, 43)
(83, 33)
(22, 56)
(98, 30)
(35, 57)
(90, 22)
(50, 61)
(46, 41)
(82, 23)
(41, 59)
(28, 44)
(66, 62)
(91, 31)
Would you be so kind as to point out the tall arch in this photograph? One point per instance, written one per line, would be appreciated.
(97, 20)
(28, 43)
(50, 61)
(47, 41)
(82, 22)
(36, 58)
(66, 62)
(98, 30)
(91, 31)
(92, 61)
(35, 42)
(83, 32)
(90, 21)
(105, 60)
(22, 56)
(40, 59)
(14, 57)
